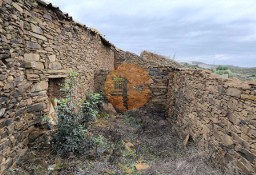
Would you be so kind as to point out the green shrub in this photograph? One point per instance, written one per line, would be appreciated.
(70, 136)
(91, 107)
(222, 68)
(73, 117)
(222, 72)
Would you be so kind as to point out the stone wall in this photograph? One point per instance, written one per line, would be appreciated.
(159, 59)
(39, 43)
(217, 114)
(99, 81)
(157, 102)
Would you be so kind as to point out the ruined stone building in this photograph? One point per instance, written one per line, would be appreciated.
(40, 45)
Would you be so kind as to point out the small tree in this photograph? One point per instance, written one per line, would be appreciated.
(70, 136)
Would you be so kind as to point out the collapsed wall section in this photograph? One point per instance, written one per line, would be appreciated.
(217, 114)
(40, 44)
(159, 75)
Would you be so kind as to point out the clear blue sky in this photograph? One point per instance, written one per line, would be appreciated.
(211, 31)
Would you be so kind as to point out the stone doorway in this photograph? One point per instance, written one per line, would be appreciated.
(54, 93)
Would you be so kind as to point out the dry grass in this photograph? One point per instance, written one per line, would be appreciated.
(154, 144)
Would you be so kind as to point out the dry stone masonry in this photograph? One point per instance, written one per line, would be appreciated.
(218, 114)
(39, 45)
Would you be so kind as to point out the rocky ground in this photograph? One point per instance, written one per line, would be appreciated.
(125, 144)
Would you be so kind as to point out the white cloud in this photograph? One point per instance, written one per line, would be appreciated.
(200, 29)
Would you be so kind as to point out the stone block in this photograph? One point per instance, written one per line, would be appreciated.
(36, 29)
(39, 65)
(31, 57)
(108, 107)
(234, 92)
(47, 16)
(19, 78)
(55, 65)
(17, 7)
(227, 140)
(245, 166)
(6, 122)
(33, 45)
(36, 107)
(32, 77)
(3, 100)
(52, 58)
(246, 154)
(43, 85)
(248, 97)
(41, 37)
(35, 65)
(2, 111)
(252, 133)
(2, 77)
(30, 65)
(233, 118)
(240, 141)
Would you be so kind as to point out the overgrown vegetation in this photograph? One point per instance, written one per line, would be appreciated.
(91, 107)
(73, 117)
(124, 144)
(222, 70)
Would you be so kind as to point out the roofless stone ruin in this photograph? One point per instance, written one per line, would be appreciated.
(40, 44)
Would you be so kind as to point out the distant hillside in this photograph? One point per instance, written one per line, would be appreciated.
(241, 73)
(242, 70)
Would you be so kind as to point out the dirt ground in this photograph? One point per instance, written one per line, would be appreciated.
(125, 144)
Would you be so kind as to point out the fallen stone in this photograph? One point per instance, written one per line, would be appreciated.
(129, 146)
(142, 166)
(108, 107)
